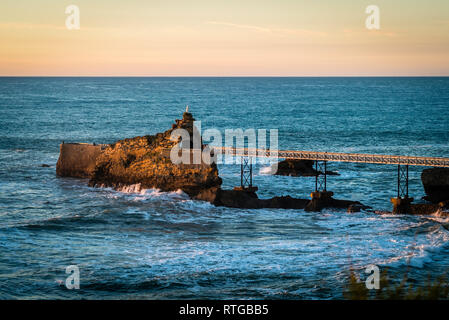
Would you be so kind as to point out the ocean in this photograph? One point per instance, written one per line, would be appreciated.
(156, 245)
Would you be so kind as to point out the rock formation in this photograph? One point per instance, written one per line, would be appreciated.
(428, 208)
(441, 208)
(250, 200)
(77, 160)
(296, 168)
(146, 160)
(436, 184)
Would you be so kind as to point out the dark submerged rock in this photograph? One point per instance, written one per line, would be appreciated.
(436, 184)
(428, 208)
(250, 200)
(329, 202)
(424, 209)
(354, 208)
(298, 168)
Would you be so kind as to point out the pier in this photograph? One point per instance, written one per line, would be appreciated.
(400, 203)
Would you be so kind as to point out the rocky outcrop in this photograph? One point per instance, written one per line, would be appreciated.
(297, 168)
(77, 160)
(436, 184)
(250, 200)
(423, 209)
(321, 200)
(428, 208)
(146, 161)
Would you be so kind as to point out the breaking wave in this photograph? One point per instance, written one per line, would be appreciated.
(136, 189)
(266, 170)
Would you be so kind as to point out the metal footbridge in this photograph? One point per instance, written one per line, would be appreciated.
(321, 159)
(336, 157)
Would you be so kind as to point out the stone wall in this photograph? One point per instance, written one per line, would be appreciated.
(77, 160)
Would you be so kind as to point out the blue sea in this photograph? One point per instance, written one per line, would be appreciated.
(156, 245)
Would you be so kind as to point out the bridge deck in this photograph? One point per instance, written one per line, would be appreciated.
(337, 157)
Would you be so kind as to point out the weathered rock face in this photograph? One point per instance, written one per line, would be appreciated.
(296, 168)
(436, 184)
(427, 208)
(324, 199)
(249, 200)
(77, 160)
(441, 208)
(145, 160)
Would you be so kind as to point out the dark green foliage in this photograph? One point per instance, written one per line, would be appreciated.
(433, 289)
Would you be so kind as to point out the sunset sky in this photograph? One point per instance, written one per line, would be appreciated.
(224, 38)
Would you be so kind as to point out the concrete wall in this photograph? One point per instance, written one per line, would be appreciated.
(77, 159)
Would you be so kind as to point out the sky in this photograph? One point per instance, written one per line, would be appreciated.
(224, 38)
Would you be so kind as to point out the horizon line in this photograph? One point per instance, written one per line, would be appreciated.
(227, 76)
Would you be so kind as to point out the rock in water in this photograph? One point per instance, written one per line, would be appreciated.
(146, 161)
(436, 184)
(77, 160)
(298, 168)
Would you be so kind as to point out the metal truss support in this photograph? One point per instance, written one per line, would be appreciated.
(402, 203)
(246, 173)
(321, 176)
(402, 181)
(342, 157)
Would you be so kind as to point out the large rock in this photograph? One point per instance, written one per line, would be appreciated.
(441, 208)
(436, 184)
(249, 200)
(146, 161)
(427, 208)
(297, 168)
(77, 160)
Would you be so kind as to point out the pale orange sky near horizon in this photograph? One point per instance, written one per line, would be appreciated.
(224, 38)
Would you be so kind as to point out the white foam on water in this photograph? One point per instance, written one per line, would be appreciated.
(197, 205)
(417, 254)
(363, 238)
(265, 170)
(140, 193)
(440, 216)
(385, 240)
(134, 188)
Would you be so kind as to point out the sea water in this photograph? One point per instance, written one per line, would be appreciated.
(147, 244)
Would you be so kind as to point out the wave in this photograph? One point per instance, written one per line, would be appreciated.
(266, 170)
(440, 215)
(136, 189)
(59, 222)
(426, 244)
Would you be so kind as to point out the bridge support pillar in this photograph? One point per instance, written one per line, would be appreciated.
(320, 200)
(320, 197)
(320, 176)
(401, 204)
(246, 176)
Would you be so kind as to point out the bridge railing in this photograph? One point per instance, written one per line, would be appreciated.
(335, 156)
